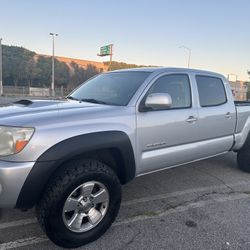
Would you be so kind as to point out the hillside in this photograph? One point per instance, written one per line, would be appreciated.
(22, 67)
(83, 63)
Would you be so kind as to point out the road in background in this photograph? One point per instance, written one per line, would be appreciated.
(8, 99)
(5, 99)
(203, 205)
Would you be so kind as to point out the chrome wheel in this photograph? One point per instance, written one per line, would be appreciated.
(86, 206)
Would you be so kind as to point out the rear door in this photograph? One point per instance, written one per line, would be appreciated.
(217, 115)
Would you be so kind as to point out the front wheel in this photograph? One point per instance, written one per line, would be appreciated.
(80, 203)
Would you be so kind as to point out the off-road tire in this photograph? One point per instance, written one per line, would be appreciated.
(243, 159)
(72, 174)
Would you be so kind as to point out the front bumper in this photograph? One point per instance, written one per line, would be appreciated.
(12, 178)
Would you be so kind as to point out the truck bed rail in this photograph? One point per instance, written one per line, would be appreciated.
(242, 103)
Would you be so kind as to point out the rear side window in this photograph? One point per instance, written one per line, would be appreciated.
(211, 91)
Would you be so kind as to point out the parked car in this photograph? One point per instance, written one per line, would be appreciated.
(70, 157)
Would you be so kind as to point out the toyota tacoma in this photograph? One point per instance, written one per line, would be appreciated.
(69, 157)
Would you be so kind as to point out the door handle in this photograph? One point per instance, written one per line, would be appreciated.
(228, 115)
(191, 119)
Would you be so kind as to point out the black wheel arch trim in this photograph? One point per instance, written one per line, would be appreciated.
(245, 145)
(54, 157)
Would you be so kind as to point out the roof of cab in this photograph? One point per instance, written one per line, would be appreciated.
(172, 69)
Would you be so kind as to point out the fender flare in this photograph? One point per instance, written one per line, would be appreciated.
(54, 157)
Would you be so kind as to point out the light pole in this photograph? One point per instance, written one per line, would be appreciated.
(1, 69)
(53, 64)
(189, 53)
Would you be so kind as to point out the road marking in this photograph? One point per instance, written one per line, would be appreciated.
(17, 223)
(23, 242)
(199, 204)
(139, 200)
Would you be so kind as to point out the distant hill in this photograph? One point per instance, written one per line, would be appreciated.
(22, 67)
(102, 66)
(83, 63)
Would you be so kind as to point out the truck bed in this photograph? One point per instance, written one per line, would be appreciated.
(242, 103)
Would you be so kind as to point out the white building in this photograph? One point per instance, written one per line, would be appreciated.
(239, 89)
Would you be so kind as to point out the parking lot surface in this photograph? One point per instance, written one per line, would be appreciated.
(203, 205)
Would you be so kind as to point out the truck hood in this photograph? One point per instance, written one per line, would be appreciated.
(29, 112)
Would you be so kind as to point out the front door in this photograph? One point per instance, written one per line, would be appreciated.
(165, 137)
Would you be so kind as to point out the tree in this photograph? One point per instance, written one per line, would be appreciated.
(43, 72)
(91, 70)
(22, 67)
(121, 65)
(15, 61)
(62, 75)
(77, 75)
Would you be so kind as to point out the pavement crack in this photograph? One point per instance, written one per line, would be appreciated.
(131, 241)
(216, 177)
(199, 198)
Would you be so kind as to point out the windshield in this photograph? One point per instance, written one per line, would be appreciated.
(116, 88)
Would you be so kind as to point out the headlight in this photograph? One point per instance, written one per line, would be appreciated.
(14, 139)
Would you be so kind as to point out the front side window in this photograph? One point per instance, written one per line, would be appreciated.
(177, 86)
(211, 91)
(116, 88)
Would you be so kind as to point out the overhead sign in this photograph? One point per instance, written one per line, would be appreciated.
(106, 50)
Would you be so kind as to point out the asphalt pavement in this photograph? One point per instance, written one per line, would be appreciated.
(203, 205)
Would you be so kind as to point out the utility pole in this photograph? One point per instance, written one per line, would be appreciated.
(189, 53)
(53, 64)
(111, 54)
(1, 68)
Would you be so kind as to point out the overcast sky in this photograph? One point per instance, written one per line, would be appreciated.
(145, 32)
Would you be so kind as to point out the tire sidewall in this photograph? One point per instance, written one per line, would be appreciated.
(243, 159)
(55, 226)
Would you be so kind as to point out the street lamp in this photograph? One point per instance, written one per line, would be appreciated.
(53, 64)
(1, 68)
(189, 53)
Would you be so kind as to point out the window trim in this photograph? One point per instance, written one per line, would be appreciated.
(214, 105)
(142, 107)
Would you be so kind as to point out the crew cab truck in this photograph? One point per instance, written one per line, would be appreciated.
(70, 157)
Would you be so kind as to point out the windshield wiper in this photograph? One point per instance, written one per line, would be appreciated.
(72, 98)
(92, 100)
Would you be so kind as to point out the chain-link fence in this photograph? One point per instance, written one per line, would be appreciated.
(21, 91)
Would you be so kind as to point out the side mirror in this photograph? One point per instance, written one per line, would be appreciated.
(158, 101)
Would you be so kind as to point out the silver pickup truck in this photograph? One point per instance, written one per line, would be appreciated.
(70, 157)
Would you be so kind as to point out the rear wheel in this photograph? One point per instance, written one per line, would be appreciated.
(243, 159)
(80, 203)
